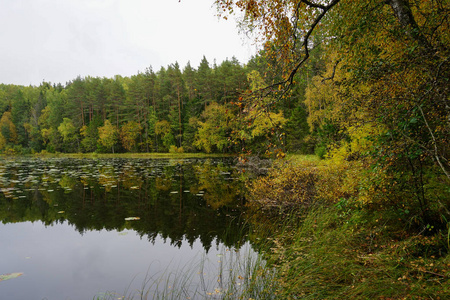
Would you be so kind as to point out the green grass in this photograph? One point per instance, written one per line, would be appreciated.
(131, 155)
(346, 253)
(296, 158)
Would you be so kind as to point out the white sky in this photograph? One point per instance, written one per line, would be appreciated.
(57, 40)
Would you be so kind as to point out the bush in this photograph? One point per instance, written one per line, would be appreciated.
(290, 185)
(175, 149)
(320, 151)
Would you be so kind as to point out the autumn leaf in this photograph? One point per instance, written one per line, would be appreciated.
(10, 276)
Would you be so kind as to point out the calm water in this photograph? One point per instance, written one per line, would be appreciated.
(77, 228)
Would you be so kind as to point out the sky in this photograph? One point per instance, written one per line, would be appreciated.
(57, 40)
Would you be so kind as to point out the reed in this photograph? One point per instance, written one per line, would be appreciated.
(235, 274)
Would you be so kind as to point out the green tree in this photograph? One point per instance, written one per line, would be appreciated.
(20, 114)
(213, 129)
(204, 84)
(164, 131)
(107, 135)
(129, 132)
(76, 104)
(8, 130)
(69, 134)
(90, 135)
(116, 97)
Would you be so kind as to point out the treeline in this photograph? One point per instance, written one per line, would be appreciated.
(186, 110)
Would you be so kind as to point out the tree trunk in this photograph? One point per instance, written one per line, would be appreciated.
(402, 11)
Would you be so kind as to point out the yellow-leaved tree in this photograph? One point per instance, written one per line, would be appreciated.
(384, 95)
(107, 135)
(8, 132)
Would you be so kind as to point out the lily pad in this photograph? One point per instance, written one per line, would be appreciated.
(9, 276)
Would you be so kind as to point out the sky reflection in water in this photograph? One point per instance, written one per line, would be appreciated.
(66, 252)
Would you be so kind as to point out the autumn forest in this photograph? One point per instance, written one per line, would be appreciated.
(174, 110)
(360, 86)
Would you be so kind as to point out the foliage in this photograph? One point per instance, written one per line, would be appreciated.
(213, 131)
(8, 133)
(175, 149)
(168, 95)
(107, 135)
(68, 132)
(129, 132)
(90, 135)
(285, 187)
(150, 99)
(300, 184)
(325, 244)
(164, 131)
(381, 98)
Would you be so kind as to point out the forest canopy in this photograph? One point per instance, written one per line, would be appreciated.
(189, 110)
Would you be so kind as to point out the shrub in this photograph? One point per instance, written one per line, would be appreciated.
(289, 185)
(175, 149)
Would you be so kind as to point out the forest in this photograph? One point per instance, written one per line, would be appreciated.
(189, 110)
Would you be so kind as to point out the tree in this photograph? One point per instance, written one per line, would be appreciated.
(179, 88)
(107, 135)
(213, 131)
(8, 132)
(69, 134)
(51, 116)
(260, 123)
(163, 130)
(386, 79)
(90, 134)
(77, 95)
(116, 98)
(129, 132)
(20, 113)
(204, 83)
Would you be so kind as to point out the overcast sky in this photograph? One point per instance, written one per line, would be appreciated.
(57, 40)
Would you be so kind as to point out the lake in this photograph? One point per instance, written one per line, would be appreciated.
(105, 228)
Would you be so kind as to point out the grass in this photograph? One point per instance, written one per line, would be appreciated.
(240, 274)
(298, 158)
(340, 252)
(131, 155)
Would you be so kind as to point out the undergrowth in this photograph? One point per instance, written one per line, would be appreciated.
(328, 240)
(340, 253)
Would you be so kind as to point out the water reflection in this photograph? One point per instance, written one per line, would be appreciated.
(181, 200)
(67, 227)
(59, 263)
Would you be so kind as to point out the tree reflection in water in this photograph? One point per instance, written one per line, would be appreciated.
(181, 200)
